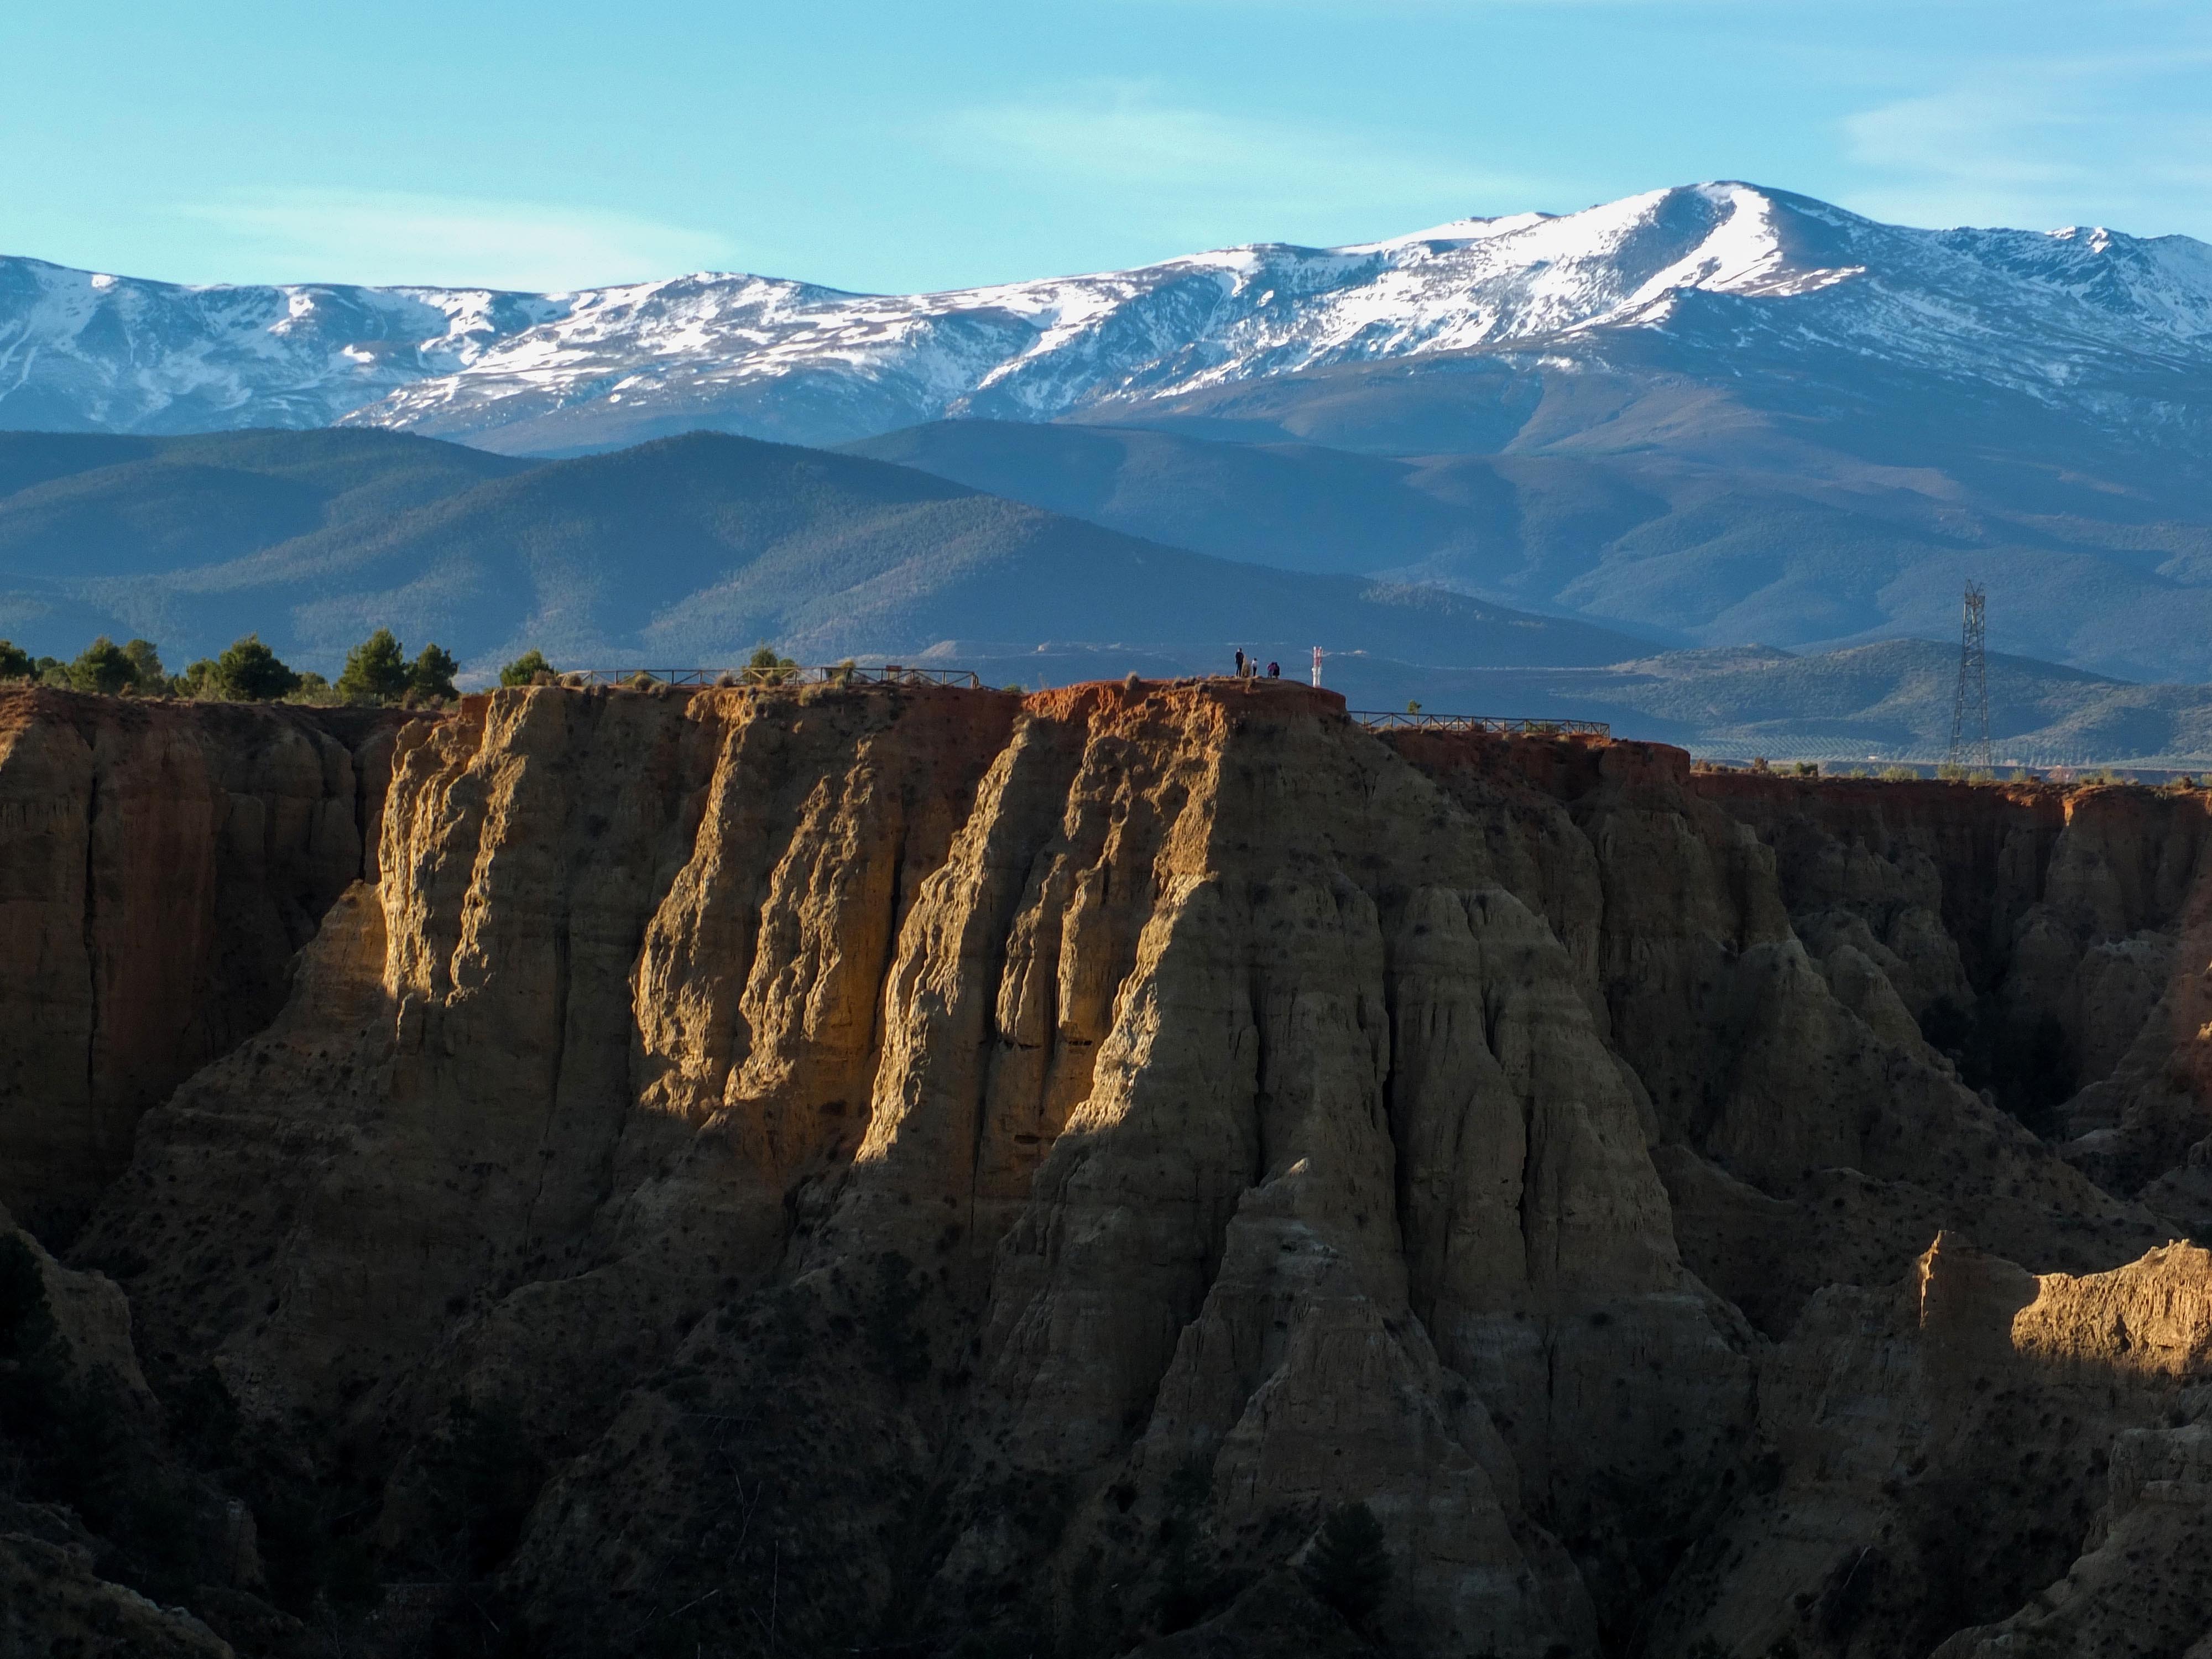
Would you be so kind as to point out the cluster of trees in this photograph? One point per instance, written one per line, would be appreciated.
(103, 665)
(764, 667)
(526, 668)
(377, 671)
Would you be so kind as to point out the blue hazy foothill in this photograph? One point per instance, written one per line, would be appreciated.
(1715, 419)
(681, 552)
(684, 552)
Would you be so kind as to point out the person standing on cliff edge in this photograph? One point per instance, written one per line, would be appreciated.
(1240, 662)
(1274, 671)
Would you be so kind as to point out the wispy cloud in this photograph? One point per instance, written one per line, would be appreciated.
(1137, 151)
(459, 241)
(2121, 140)
(1369, 8)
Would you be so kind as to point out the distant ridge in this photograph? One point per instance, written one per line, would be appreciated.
(689, 549)
(2049, 315)
(1707, 415)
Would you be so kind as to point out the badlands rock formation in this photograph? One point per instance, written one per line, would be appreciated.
(158, 868)
(926, 1171)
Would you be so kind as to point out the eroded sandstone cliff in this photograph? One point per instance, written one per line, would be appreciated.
(926, 1171)
(158, 868)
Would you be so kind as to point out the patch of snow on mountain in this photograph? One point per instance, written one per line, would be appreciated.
(1725, 262)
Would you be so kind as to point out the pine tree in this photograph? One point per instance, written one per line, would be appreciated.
(766, 668)
(249, 672)
(432, 676)
(376, 671)
(101, 667)
(146, 672)
(526, 668)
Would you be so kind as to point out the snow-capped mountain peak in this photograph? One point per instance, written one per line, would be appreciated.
(1718, 262)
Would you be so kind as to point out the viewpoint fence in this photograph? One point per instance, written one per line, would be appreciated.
(1380, 720)
(892, 673)
(831, 674)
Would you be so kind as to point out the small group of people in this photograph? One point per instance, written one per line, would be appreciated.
(1248, 668)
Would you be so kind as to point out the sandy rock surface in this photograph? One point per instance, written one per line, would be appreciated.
(948, 1171)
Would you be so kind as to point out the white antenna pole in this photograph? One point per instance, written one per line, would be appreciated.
(1316, 678)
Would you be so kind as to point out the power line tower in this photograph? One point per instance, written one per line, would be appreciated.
(1970, 709)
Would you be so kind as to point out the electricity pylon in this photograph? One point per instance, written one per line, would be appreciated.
(1970, 709)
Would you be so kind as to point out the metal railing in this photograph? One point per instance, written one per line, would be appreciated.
(818, 674)
(1378, 720)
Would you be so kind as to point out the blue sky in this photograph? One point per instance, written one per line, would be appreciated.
(898, 146)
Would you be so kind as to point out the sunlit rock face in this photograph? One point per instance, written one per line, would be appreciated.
(935, 1168)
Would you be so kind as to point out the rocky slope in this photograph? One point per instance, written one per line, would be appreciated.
(933, 1171)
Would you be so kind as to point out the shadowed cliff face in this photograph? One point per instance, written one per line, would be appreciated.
(158, 867)
(2052, 942)
(942, 1171)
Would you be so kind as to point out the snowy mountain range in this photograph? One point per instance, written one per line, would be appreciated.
(1711, 416)
(2114, 329)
